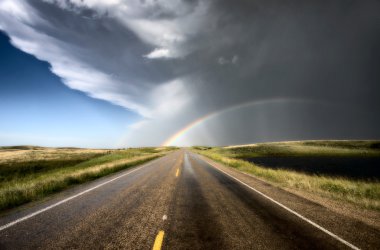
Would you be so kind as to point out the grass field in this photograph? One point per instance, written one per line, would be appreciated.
(306, 148)
(360, 192)
(30, 173)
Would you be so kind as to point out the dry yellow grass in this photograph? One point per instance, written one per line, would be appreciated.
(306, 148)
(11, 155)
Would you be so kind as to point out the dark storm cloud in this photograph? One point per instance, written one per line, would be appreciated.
(316, 50)
(327, 50)
(175, 61)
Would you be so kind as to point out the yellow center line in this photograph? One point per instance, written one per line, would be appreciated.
(158, 242)
(177, 173)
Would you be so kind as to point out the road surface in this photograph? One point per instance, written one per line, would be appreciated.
(181, 201)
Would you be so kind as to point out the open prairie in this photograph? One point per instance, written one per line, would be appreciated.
(30, 173)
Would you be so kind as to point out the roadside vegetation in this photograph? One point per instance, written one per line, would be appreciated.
(364, 193)
(30, 173)
(306, 148)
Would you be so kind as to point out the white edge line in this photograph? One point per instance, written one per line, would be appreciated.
(67, 199)
(290, 210)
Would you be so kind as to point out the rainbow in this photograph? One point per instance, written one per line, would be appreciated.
(172, 139)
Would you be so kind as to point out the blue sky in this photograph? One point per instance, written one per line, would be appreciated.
(38, 109)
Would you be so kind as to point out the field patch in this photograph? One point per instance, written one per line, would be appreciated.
(31, 173)
(347, 171)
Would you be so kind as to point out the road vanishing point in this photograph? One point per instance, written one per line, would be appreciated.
(181, 201)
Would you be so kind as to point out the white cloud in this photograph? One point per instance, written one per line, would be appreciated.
(159, 53)
(162, 24)
(15, 9)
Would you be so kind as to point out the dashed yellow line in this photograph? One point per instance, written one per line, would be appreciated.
(158, 242)
(177, 173)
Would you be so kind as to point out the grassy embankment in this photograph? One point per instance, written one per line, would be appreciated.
(362, 193)
(31, 173)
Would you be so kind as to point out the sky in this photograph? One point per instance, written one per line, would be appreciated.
(125, 73)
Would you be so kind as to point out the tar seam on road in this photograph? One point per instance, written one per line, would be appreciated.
(158, 242)
(66, 200)
(291, 211)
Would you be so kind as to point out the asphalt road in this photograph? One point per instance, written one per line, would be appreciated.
(181, 201)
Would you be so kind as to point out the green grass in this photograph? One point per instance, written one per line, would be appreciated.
(16, 170)
(24, 181)
(364, 194)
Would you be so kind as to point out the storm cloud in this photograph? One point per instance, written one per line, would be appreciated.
(173, 62)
